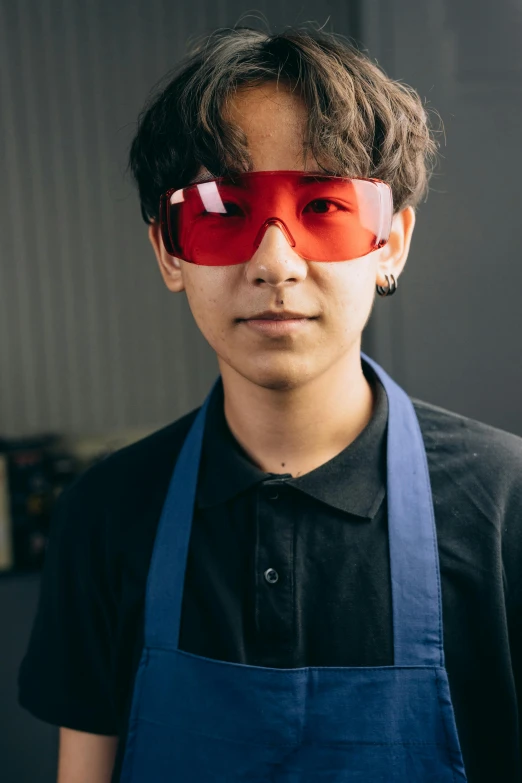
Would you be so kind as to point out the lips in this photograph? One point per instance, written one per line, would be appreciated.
(273, 316)
(277, 318)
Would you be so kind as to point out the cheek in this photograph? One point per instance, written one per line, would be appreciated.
(207, 297)
(350, 291)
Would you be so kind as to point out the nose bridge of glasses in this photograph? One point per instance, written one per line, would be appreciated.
(274, 221)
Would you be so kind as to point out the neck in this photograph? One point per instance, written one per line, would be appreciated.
(296, 430)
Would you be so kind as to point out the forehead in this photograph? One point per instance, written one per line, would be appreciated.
(268, 114)
(273, 121)
(252, 104)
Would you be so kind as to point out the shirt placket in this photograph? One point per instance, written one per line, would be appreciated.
(274, 573)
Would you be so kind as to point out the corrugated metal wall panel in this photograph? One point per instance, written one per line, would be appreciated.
(90, 338)
(451, 335)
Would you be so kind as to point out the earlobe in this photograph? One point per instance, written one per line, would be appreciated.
(170, 267)
(394, 254)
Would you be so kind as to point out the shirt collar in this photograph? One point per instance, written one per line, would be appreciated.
(353, 481)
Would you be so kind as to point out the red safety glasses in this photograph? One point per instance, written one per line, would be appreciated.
(222, 221)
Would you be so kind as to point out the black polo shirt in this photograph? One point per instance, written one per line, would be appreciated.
(286, 572)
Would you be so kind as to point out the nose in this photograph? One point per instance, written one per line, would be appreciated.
(276, 222)
(275, 260)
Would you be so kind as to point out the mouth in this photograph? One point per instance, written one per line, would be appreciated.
(277, 325)
(279, 318)
(274, 315)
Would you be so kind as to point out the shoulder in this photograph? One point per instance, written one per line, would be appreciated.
(106, 519)
(442, 428)
(114, 505)
(483, 460)
(140, 467)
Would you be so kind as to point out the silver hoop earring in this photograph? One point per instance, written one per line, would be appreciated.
(391, 286)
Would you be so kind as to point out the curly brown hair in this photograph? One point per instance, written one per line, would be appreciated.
(360, 122)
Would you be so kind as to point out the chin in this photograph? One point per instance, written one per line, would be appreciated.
(282, 375)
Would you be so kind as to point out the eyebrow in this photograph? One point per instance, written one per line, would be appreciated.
(317, 177)
(301, 181)
(201, 178)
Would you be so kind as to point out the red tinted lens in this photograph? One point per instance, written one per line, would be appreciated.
(324, 218)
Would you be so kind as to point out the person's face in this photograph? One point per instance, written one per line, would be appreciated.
(336, 296)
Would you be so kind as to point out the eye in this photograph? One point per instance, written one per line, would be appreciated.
(233, 210)
(323, 206)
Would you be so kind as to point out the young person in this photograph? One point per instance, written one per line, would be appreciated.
(311, 577)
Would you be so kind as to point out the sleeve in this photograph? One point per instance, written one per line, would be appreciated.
(512, 574)
(515, 635)
(65, 675)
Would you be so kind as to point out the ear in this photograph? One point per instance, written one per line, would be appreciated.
(392, 257)
(170, 267)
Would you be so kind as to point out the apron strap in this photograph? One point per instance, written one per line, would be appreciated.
(166, 577)
(414, 560)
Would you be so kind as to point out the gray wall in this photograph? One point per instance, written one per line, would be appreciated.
(90, 338)
(28, 747)
(452, 332)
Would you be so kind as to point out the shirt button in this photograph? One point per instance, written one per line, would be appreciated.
(271, 576)
(272, 492)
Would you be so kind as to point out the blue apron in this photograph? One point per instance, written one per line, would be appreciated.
(198, 720)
